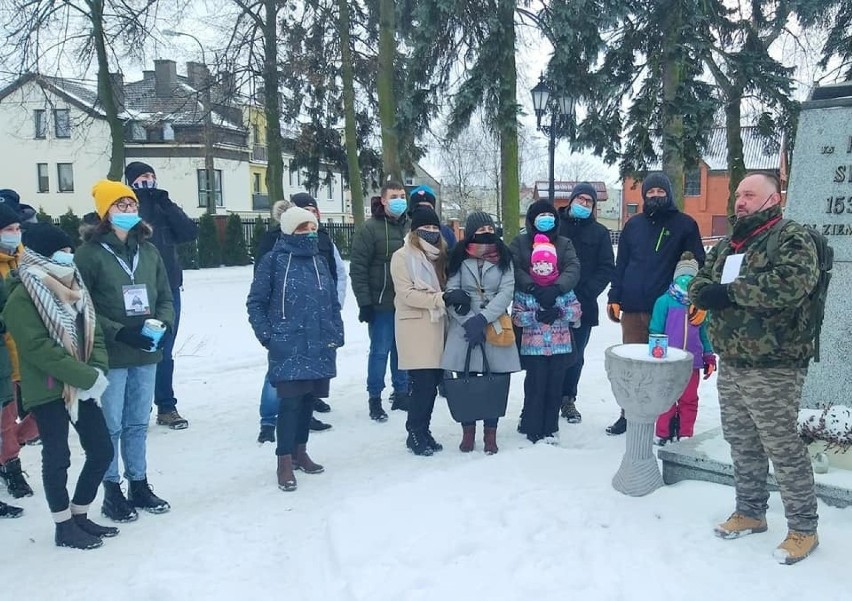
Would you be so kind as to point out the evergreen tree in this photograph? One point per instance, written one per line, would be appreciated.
(43, 217)
(833, 16)
(70, 224)
(188, 255)
(257, 233)
(234, 250)
(209, 247)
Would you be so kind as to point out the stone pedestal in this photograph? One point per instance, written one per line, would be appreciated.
(644, 387)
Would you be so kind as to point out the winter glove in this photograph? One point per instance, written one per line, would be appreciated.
(458, 299)
(366, 314)
(709, 364)
(613, 311)
(474, 329)
(134, 338)
(714, 297)
(545, 295)
(547, 316)
(97, 389)
(696, 315)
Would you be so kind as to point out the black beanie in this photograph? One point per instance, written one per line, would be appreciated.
(584, 188)
(476, 220)
(135, 169)
(8, 215)
(303, 200)
(11, 199)
(424, 216)
(46, 239)
(657, 179)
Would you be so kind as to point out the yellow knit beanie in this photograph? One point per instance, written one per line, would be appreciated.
(107, 192)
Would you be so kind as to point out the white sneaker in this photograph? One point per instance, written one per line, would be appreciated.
(551, 440)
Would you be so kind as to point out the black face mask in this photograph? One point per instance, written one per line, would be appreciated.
(489, 238)
(655, 204)
(430, 237)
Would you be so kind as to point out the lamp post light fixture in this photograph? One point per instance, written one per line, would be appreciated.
(562, 114)
(209, 161)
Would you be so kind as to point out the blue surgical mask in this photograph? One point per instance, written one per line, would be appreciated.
(578, 211)
(145, 184)
(397, 206)
(545, 223)
(10, 240)
(62, 257)
(125, 221)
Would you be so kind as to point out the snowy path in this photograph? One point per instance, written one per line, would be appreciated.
(382, 524)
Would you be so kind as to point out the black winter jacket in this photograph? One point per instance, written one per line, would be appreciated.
(171, 227)
(648, 251)
(593, 245)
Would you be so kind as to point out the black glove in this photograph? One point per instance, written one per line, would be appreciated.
(366, 314)
(545, 295)
(458, 299)
(474, 329)
(134, 338)
(714, 297)
(547, 316)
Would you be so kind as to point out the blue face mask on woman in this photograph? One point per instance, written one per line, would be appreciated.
(545, 223)
(579, 211)
(125, 221)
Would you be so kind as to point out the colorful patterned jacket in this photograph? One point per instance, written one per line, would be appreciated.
(540, 339)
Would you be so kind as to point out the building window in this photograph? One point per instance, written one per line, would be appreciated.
(62, 122)
(43, 177)
(256, 183)
(330, 188)
(632, 208)
(290, 173)
(168, 131)
(692, 183)
(137, 132)
(202, 187)
(40, 122)
(65, 176)
(255, 134)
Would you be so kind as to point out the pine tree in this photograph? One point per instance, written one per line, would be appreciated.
(234, 251)
(257, 233)
(209, 247)
(43, 217)
(70, 224)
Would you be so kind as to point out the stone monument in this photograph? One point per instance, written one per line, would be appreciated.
(644, 387)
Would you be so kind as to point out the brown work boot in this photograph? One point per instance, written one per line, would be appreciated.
(468, 436)
(490, 440)
(286, 477)
(302, 461)
(740, 525)
(796, 547)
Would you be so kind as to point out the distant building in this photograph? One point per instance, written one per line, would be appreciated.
(562, 192)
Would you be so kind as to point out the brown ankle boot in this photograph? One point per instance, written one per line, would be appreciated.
(286, 478)
(490, 440)
(468, 435)
(302, 461)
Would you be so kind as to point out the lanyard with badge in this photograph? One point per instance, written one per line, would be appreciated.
(135, 295)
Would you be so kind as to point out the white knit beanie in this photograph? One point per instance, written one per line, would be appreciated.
(294, 217)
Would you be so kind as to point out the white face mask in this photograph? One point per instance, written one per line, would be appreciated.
(10, 239)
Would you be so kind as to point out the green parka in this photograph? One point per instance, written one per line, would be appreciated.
(105, 279)
(6, 394)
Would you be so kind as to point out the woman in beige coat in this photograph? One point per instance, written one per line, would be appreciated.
(419, 276)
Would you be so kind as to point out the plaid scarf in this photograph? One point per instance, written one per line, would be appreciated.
(484, 252)
(63, 303)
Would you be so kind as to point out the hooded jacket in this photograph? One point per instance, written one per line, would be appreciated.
(521, 247)
(373, 245)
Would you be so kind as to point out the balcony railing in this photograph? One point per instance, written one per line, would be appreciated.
(260, 202)
(259, 153)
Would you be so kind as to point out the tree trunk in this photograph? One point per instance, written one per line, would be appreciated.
(272, 105)
(106, 94)
(356, 193)
(508, 125)
(384, 84)
(733, 131)
(672, 120)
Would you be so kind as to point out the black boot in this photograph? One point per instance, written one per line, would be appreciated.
(400, 400)
(10, 511)
(267, 434)
(417, 443)
(619, 427)
(376, 412)
(115, 506)
(69, 534)
(140, 494)
(569, 410)
(433, 444)
(320, 406)
(16, 484)
(89, 527)
(318, 426)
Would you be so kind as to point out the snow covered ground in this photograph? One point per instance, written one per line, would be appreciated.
(381, 524)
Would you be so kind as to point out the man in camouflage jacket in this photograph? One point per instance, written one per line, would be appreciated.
(757, 329)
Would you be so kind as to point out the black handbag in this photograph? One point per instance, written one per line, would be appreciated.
(474, 397)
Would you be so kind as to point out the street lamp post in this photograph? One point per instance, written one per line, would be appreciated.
(562, 112)
(209, 161)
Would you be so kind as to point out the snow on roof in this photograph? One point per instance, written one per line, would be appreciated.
(183, 107)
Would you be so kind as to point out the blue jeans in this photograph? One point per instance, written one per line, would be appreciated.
(382, 344)
(164, 394)
(127, 410)
(572, 376)
(268, 404)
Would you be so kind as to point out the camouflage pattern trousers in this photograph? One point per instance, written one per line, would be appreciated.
(759, 410)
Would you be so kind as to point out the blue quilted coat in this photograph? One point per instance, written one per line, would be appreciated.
(294, 311)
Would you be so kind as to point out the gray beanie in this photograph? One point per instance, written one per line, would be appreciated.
(476, 220)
